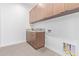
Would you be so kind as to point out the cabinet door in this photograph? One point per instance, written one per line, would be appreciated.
(45, 11)
(30, 36)
(40, 40)
(48, 10)
(58, 8)
(71, 6)
(33, 36)
(41, 12)
(34, 14)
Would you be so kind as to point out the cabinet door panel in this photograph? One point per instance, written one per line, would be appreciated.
(30, 36)
(41, 12)
(40, 39)
(45, 11)
(58, 8)
(35, 14)
(33, 36)
(71, 6)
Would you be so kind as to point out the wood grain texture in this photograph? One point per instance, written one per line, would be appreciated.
(58, 8)
(49, 10)
(36, 39)
(71, 6)
(39, 12)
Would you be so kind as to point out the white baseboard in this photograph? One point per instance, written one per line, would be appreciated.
(14, 43)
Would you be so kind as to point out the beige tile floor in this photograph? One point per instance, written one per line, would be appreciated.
(24, 49)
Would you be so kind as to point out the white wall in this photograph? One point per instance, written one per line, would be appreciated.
(14, 18)
(0, 26)
(64, 29)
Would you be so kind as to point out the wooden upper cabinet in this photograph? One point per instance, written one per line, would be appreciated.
(58, 8)
(71, 6)
(40, 12)
(33, 14)
(46, 10)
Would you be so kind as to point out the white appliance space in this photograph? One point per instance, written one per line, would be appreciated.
(63, 29)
